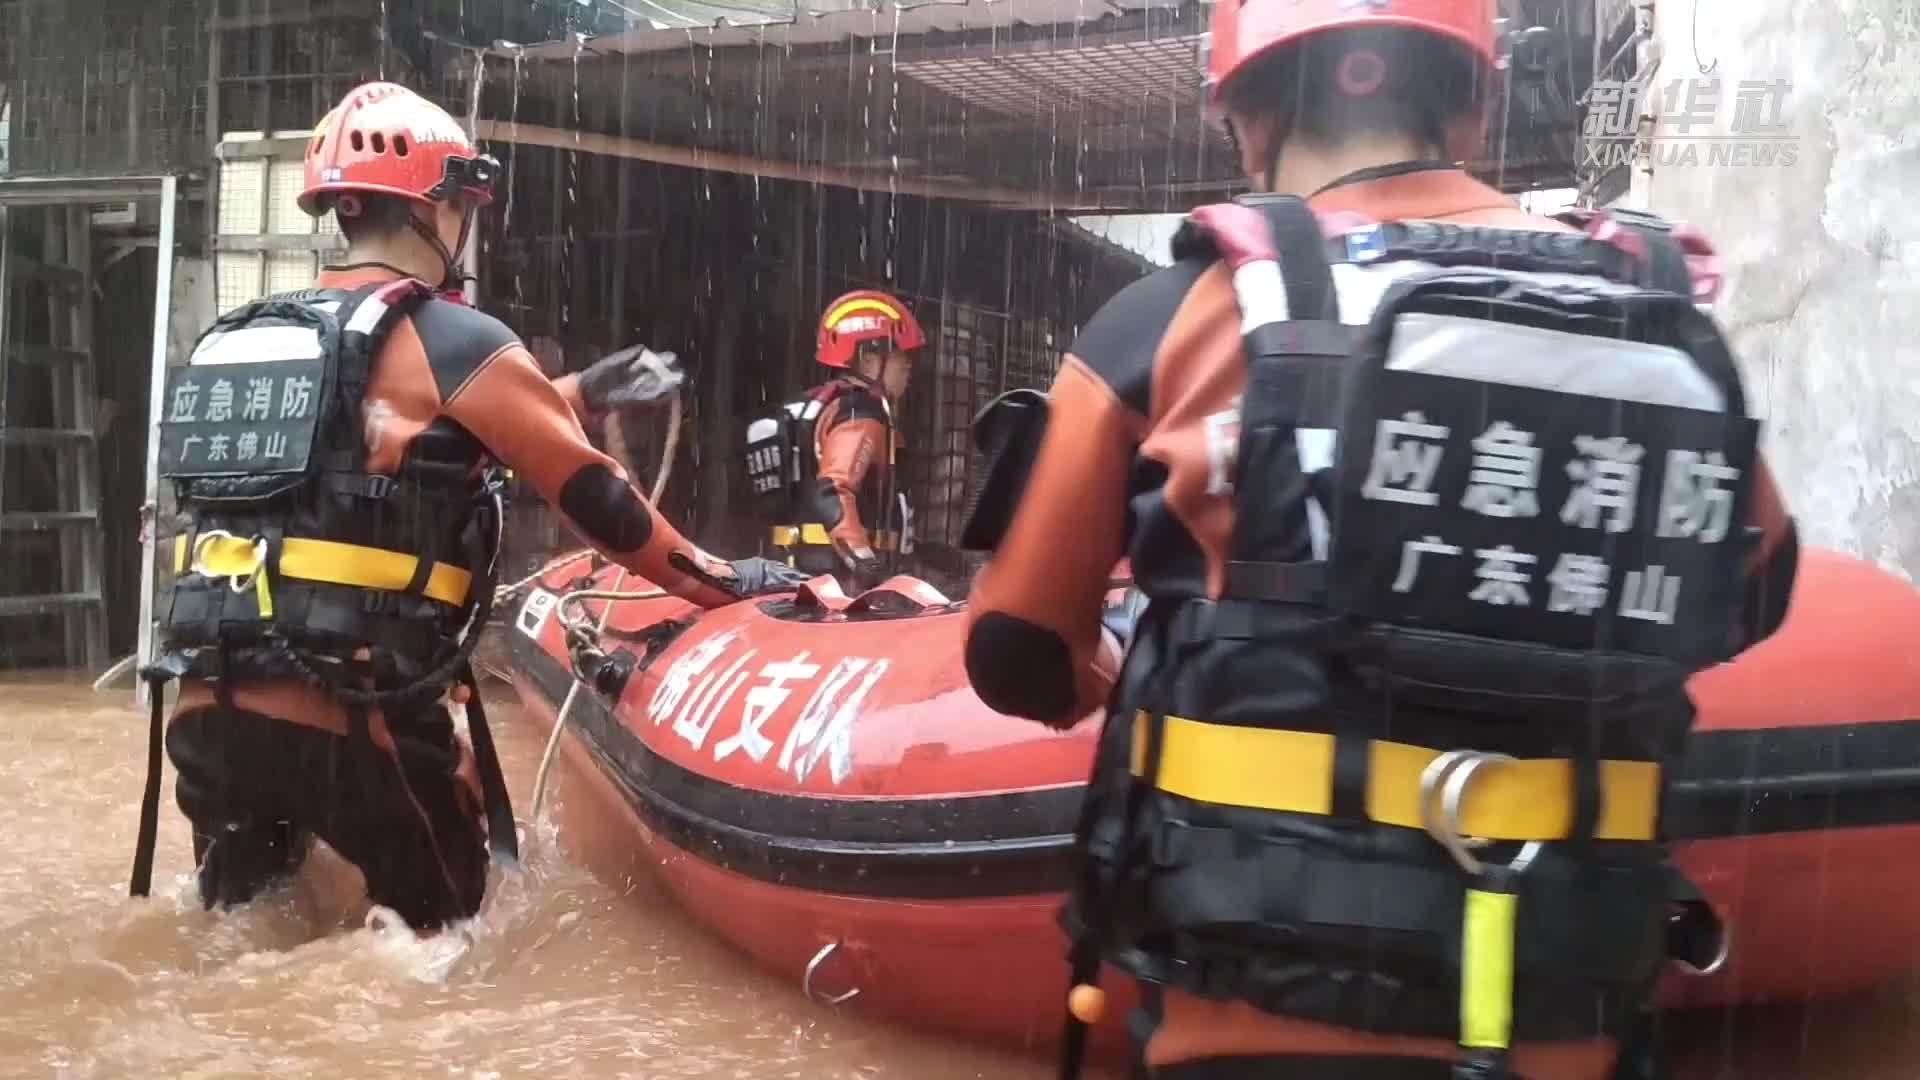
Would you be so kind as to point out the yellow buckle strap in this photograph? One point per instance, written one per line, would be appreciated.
(1292, 772)
(816, 534)
(218, 554)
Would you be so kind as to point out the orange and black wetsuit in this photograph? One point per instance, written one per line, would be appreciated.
(1136, 461)
(274, 763)
(850, 450)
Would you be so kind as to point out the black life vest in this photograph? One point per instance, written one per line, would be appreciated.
(1405, 774)
(783, 475)
(291, 555)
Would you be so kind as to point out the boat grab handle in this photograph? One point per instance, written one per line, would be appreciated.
(813, 965)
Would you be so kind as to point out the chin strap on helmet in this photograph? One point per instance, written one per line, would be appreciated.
(451, 276)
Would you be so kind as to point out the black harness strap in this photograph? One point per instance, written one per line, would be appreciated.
(502, 837)
(1293, 370)
(148, 836)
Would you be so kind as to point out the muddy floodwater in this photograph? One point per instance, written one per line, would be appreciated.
(582, 966)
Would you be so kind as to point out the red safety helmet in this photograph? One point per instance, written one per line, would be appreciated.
(1244, 32)
(862, 316)
(384, 139)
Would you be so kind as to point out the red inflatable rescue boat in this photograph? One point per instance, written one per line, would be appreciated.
(817, 784)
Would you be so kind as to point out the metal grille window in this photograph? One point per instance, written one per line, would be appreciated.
(977, 354)
(265, 243)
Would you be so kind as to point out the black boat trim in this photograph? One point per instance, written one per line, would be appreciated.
(1766, 781)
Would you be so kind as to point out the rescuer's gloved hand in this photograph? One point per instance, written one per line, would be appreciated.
(633, 378)
(755, 577)
(863, 573)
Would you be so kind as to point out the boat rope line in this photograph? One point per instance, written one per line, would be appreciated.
(660, 479)
(660, 476)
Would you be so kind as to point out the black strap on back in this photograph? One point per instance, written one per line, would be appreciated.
(1292, 382)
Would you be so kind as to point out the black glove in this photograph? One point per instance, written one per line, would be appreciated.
(633, 378)
(756, 577)
(864, 574)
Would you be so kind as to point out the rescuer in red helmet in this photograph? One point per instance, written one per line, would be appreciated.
(336, 455)
(847, 511)
(1379, 786)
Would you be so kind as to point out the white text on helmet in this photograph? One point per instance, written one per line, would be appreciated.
(861, 324)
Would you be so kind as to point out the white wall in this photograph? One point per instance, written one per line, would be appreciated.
(1823, 298)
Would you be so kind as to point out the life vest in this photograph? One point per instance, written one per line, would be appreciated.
(292, 555)
(783, 469)
(1405, 775)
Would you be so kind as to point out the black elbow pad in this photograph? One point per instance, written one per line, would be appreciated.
(1019, 669)
(826, 504)
(607, 509)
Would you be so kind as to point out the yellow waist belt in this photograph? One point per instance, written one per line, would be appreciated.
(220, 554)
(1292, 772)
(816, 534)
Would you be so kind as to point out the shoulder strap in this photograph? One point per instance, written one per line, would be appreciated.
(1296, 348)
(366, 317)
(1666, 262)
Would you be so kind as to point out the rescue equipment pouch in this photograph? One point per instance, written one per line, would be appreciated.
(292, 556)
(1404, 774)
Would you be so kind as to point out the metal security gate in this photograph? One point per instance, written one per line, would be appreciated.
(53, 577)
(978, 353)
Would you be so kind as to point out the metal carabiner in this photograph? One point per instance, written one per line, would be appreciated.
(197, 559)
(1443, 788)
(1433, 781)
(259, 566)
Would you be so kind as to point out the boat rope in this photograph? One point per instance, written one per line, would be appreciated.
(610, 594)
(660, 476)
(507, 592)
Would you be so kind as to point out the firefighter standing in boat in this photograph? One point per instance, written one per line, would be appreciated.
(851, 513)
(336, 454)
(1338, 648)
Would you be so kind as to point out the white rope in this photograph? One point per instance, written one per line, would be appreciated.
(611, 596)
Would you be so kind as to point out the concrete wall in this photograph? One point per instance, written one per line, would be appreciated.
(1823, 252)
(193, 305)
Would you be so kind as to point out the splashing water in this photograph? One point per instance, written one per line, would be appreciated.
(558, 975)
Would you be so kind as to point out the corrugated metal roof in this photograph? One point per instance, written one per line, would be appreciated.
(1092, 102)
(668, 23)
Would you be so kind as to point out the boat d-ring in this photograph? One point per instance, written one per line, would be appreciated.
(813, 965)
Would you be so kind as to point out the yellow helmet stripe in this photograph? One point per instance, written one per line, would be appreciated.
(854, 306)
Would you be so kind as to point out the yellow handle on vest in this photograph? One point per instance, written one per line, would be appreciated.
(1486, 969)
